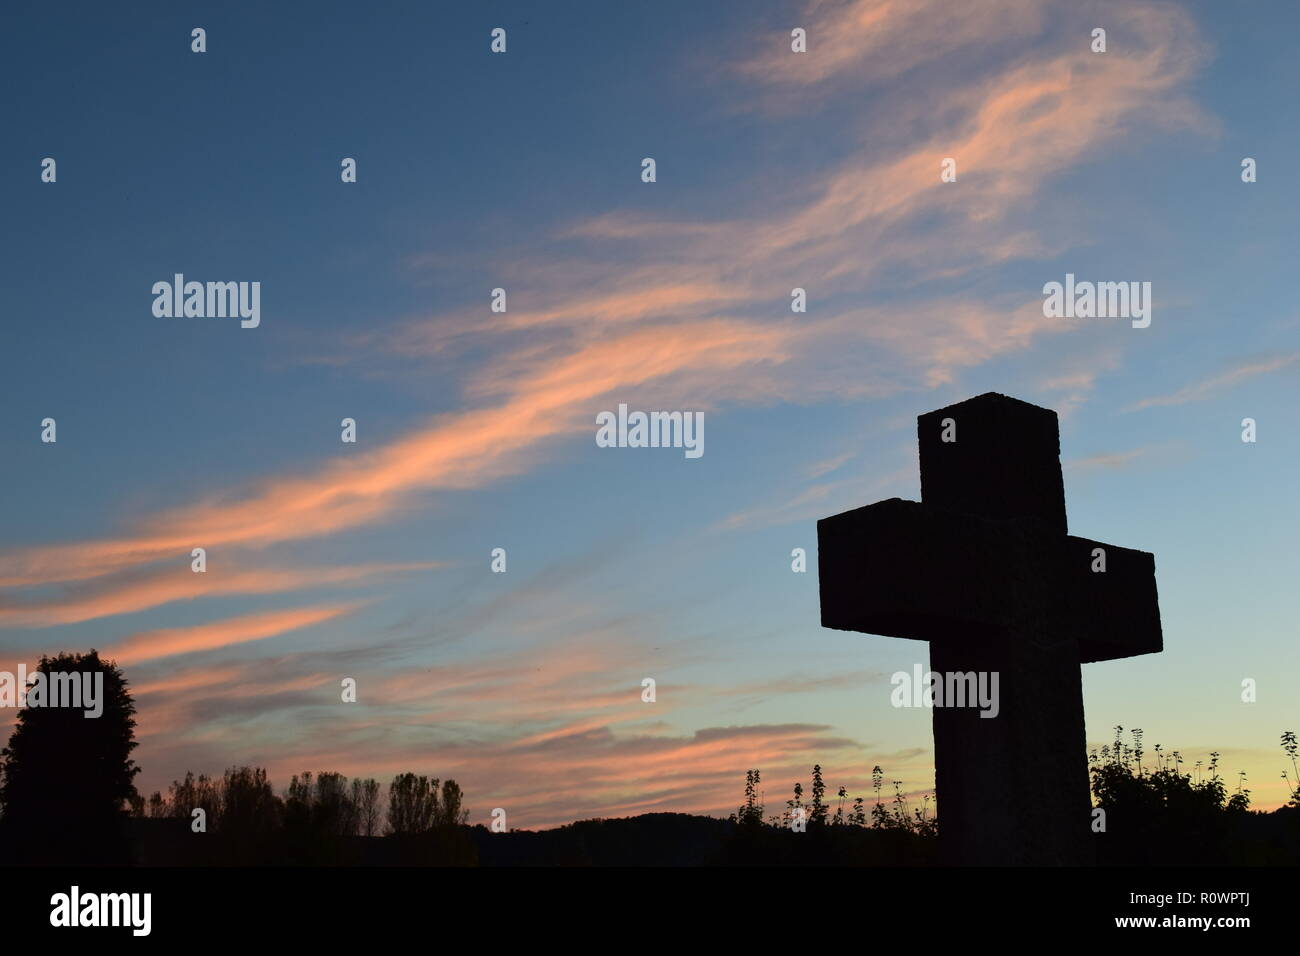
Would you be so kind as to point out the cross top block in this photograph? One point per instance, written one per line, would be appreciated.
(1001, 459)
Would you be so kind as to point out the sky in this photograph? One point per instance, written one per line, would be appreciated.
(522, 170)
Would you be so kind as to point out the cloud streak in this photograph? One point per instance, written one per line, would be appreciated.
(130, 592)
(173, 641)
(1241, 372)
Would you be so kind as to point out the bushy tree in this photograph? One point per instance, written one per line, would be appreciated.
(1164, 815)
(68, 776)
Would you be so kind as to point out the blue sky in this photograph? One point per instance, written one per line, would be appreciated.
(522, 170)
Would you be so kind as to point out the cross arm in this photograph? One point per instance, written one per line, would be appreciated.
(1113, 613)
(906, 569)
(903, 569)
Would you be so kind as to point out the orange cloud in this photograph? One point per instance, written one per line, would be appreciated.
(460, 450)
(865, 41)
(126, 594)
(169, 642)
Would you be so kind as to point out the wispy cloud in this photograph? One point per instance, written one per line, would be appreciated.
(1242, 371)
(1118, 459)
(129, 592)
(536, 401)
(169, 642)
(866, 41)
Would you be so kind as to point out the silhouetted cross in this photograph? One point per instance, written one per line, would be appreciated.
(983, 568)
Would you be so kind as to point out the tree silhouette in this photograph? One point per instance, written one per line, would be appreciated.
(194, 793)
(451, 814)
(251, 815)
(320, 817)
(68, 776)
(412, 804)
(365, 794)
(424, 827)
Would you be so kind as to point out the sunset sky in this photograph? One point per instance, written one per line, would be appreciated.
(476, 429)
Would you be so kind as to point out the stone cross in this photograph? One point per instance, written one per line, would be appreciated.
(983, 569)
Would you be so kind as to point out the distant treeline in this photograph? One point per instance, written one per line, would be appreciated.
(239, 819)
(67, 795)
